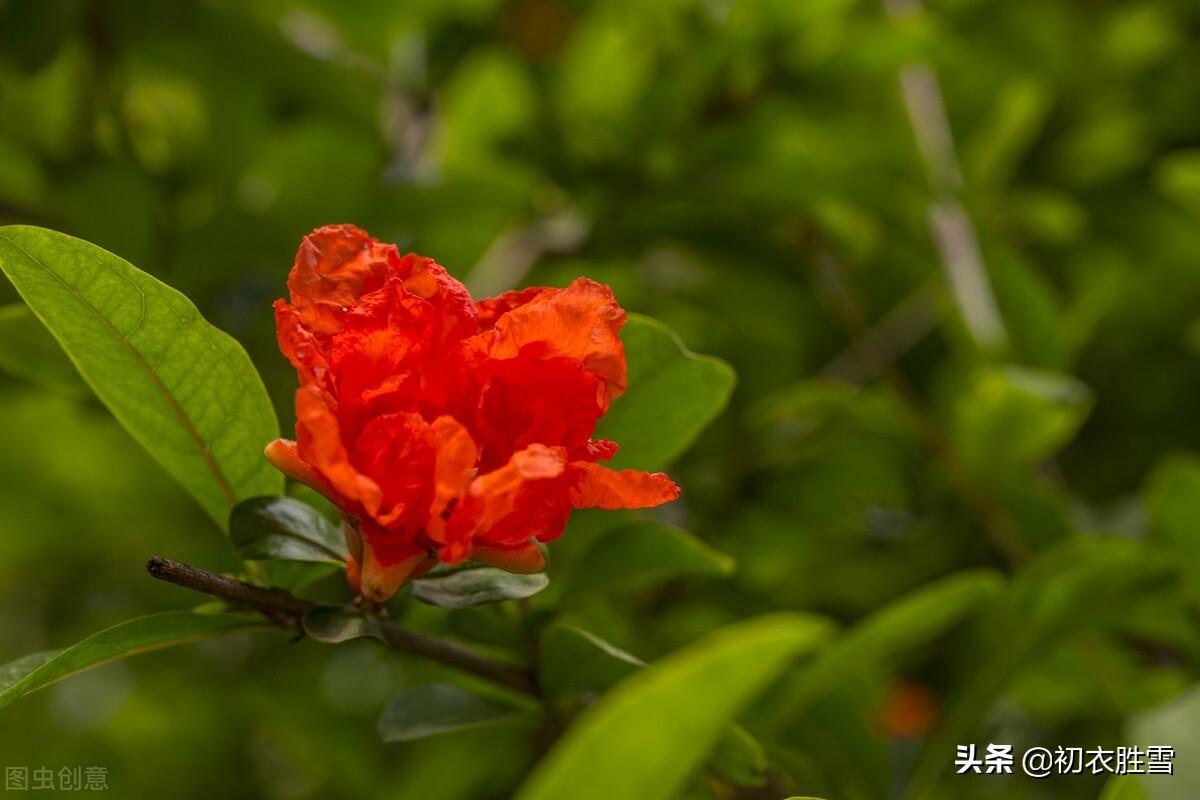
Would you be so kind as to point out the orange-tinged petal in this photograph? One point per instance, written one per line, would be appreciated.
(319, 443)
(498, 488)
(455, 313)
(513, 403)
(456, 458)
(601, 487)
(334, 266)
(285, 457)
(395, 346)
(396, 452)
(300, 345)
(492, 308)
(282, 455)
(505, 505)
(579, 322)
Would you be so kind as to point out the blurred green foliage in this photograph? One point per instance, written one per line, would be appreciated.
(746, 171)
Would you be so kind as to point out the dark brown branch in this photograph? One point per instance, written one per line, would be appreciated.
(456, 656)
(277, 604)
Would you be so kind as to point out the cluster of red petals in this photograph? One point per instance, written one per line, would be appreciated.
(443, 428)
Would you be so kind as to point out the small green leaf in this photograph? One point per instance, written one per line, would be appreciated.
(673, 395)
(573, 661)
(643, 739)
(30, 673)
(335, 625)
(284, 528)
(1172, 498)
(642, 554)
(1014, 416)
(739, 758)
(29, 352)
(435, 708)
(186, 391)
(475, 586)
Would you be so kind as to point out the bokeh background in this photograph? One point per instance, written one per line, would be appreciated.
(952, 250)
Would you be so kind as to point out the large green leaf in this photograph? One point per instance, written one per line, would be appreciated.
(28, 351)
(643, 553)
(575, 662)
(285, 528)
(434, 708)
(673, 394)
(476, 586)
(642, 740)
(185, 390)
(19, 678)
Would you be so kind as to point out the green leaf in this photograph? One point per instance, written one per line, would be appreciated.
(184, 390)
(29, 352)
(284, 528)
(435, 708)
(1175, 724)
(14, 671)
(916, 618)
(335, 625)
(738, 757)
(475, 586)
(1079, 586)
(643, 739)
(1125, 787)
(573, 661)
(673, 395)
(1012, 416)
(643, 553)
(297, 575)
(906, 624)
(19, 678)
(1172, 498)
(1177, 175)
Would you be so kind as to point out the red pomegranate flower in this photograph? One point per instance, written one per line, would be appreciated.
(443, 428)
